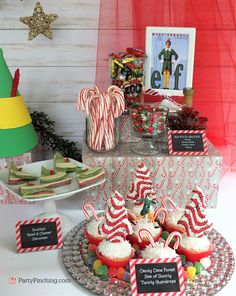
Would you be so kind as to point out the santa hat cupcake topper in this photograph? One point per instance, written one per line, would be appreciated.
(116, 225)
(194, 219)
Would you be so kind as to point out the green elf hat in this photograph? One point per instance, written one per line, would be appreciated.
(17, 134)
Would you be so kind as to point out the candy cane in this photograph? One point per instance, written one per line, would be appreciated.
(170, 201)
(149, 235)
(158, 211)
(132, 215)
(102, 109)
(171, 236)
(84, 208)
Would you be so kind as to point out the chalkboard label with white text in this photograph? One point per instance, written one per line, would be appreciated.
(38, 235)
(187, 143)
(153, 278)
(42, 234)
(157, 276)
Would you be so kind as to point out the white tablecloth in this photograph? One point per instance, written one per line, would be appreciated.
(48, 264)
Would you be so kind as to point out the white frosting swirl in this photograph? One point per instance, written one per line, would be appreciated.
(92, 227)
(115, 250)
(142, 224)
(195, 243)
(173, 217)
(159, 251)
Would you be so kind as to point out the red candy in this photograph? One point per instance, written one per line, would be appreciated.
(120, 273)
(92, 247)
(112, 272)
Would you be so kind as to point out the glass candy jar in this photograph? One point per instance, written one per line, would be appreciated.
(102, 136)
(148, 122)
(126, 70)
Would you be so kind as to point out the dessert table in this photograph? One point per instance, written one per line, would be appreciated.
(43, 273)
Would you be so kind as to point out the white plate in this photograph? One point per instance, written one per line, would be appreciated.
(35, 170)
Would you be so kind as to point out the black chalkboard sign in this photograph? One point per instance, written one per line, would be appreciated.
(184, 143)
(157, 276)
(38, 235)
(43, 234)
(161, 277)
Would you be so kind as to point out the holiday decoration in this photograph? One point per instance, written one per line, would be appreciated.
(187, 119)
(127, 72)
(172, 176)
(146, 205)
(116, 225)
(142, 185)
(39, 22)
(17, 134)
(101, 109)
(45, 127)
(194, 218)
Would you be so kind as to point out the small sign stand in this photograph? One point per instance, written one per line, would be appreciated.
(187, 142)
(157, 277)
(38, 235)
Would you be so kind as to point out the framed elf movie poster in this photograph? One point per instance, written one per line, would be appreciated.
(170, 59)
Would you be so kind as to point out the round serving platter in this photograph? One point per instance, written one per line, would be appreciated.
(210, 282)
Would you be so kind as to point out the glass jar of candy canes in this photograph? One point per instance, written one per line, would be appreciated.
(127, 72)
(148, 122)
(102, 136)
(102, 111)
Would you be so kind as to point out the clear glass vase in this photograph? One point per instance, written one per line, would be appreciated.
(102, 136)
(148, 122)
(127, 72)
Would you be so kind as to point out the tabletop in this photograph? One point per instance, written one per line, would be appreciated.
(43, 273)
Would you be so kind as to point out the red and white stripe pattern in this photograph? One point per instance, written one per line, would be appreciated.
(133, 279)
(189, 153)
(116, 225)
(194, 219)
(142, 186)
(151, 92)
(40, 248)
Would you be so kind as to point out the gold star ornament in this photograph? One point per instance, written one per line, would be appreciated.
(39, 22)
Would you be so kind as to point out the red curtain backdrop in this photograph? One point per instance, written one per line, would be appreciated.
(122, 24)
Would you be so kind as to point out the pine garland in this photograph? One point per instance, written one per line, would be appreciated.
(45, 128)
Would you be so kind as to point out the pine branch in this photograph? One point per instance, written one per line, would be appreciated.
(45, 127)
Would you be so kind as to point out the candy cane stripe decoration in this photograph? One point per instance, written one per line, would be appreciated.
(149, 235)
(170, 201)
(174, 234)
(158, 211)
(101, 109)
(19, 247)
(190, 153)
(85, 212)
(134, 279)
(116, 225)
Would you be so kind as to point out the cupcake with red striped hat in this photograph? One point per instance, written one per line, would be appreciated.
(150, 225)
(115, 250)
(141, 187)
(91, 230)
(171, 221)
(195, 245)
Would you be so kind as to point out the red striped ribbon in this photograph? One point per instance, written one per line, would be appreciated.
(39, 248)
